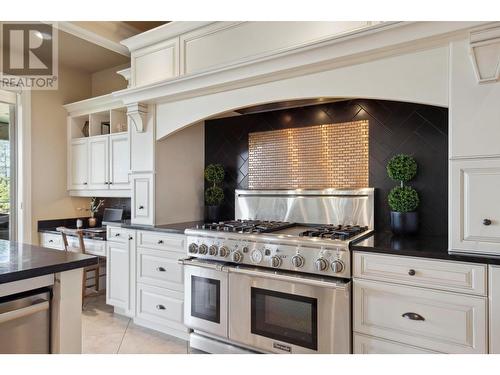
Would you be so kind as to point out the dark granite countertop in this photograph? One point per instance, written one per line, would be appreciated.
(88, 235)
(22, 261)
(435, 247)
(177, 228)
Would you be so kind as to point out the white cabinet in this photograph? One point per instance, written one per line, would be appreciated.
(160, 282)
(78, 173)
(119, 161)
(434, 320)
(120, 273)
(494, 310)
(440, 306)
(143, 198)
(98, 162)
(475, 206)
(155, 63)
(372, 345)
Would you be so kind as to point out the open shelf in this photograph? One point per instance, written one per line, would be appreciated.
(79, 126)
(99, 123)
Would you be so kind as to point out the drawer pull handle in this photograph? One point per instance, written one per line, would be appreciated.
(486, 222)
(117, 234)
(413, 316)
(411, 272)
(160, 307)
(160, 269)
(50, 241)
(141, 207)
(160, 242)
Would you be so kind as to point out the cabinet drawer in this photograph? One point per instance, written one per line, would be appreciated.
(159, 268)
(373, 345)
(440, 321)
(117, 234)
(51, 240)
(161, 241)
(159, 305)
(475, 209)
(453, 276)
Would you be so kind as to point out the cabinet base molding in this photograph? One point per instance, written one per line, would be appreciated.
(181, 332)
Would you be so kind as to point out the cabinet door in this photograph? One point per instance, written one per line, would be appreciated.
(475, 206)
(494, 297)
(78, 178)
(142, 199)
(119, 162)
(120, 274)
(98, 163)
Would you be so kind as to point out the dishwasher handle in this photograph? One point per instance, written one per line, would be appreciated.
(41, 305)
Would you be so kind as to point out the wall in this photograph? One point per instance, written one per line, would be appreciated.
(50, 200)
(179, 176)
(395, 127)
(107, 81)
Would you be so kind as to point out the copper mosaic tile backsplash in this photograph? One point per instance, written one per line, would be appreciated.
(314, 157)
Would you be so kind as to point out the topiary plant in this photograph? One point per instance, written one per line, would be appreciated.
(402, 168)
(214, 173)
(214, 195)
(403, 199)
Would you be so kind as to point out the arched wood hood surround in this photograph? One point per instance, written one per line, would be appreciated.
(403, 61)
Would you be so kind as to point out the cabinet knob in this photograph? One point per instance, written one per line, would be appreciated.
(117, 234)
(105, 182)
(110, 183)
(160, 307)
(130, 238)
(85, 183)
(141, 207)
(413, 316)
(160, 269)
(411, 272)
(486, 222)
(160, 242)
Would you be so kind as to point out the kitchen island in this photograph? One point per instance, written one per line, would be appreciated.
(26, 271)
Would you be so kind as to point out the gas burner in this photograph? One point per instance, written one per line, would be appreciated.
(247, 226)
(334, 232)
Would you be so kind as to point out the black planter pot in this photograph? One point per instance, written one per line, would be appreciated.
(213, 213)
(404, 222)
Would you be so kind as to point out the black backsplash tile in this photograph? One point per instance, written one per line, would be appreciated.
(395, 127)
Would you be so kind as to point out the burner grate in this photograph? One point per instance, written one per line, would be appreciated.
(247, 226)
(334, 232)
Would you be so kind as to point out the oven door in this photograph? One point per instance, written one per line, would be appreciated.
(205, 292)
(282, 313)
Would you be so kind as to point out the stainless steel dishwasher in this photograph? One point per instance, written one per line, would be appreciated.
(25, 322)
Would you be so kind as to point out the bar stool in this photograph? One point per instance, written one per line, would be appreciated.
(78, 233)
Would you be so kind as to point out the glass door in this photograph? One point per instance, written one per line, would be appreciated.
(7, 172)
(285, 317)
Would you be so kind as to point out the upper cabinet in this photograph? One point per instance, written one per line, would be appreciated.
(183, 48)
(98, 148)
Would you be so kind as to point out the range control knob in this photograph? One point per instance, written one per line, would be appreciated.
(193, 248)
(298, 261)
(275, 261)
(337, 266)
(321, 264)
(237, 256)
(203, 249)
(212, 250)
(223, 251)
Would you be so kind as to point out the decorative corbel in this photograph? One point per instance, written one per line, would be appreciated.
(138, 112)
(125, 73)
(485, 53)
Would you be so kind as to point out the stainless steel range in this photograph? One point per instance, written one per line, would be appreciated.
(277, 278)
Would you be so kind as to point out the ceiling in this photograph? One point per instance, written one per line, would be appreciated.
(80, 54)
(145, 25)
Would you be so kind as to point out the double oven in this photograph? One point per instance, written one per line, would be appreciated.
(261, 310)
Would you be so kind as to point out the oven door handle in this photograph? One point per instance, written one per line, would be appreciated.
(194, 262)
(295, 279)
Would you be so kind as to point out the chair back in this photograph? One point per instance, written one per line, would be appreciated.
(78, 233)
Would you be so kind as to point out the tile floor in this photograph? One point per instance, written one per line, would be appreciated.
(107, 333)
